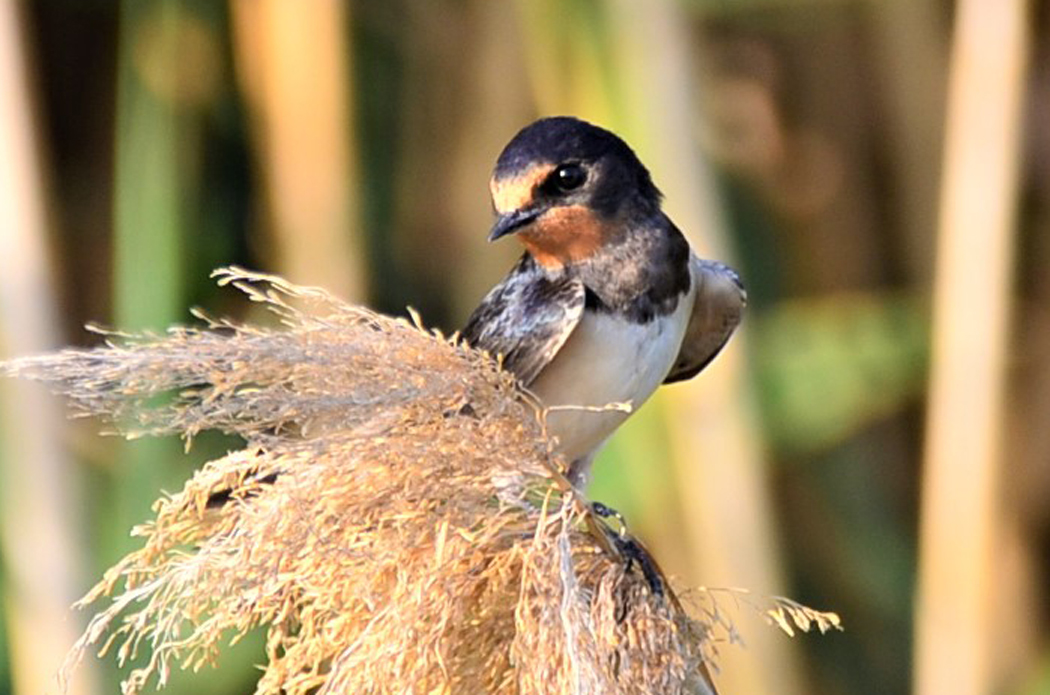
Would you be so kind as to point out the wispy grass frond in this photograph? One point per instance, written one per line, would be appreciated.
(332, 364)
(395, 522)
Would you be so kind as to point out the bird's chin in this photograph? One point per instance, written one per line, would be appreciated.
(565, 235)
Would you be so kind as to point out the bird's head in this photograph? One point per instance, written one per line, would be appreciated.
(566, 188)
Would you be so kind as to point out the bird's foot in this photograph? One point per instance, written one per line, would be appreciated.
(630, 549)
(606, 512)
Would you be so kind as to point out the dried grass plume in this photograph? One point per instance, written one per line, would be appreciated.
(395, 521)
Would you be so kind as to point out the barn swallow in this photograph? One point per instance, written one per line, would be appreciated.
(608, 301)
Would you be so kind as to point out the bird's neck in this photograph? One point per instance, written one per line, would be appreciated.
(641, 273)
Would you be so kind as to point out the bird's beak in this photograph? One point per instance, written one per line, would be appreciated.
(510, 222)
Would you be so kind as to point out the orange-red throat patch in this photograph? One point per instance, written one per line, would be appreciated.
(512, 193)
(564, 234)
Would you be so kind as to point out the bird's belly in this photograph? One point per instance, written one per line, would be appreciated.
(606, 360)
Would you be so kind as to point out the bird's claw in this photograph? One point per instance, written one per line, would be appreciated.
(632, 551)
(606, 512)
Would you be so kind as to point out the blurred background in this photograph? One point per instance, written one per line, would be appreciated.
(875, 441)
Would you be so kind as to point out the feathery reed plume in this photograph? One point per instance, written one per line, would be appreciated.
(396, 520)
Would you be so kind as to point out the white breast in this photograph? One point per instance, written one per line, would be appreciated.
(607, 360)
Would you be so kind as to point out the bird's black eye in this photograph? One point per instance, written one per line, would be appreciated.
(568, 177)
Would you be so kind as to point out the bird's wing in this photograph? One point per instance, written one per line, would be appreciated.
(717, 309)
(526, 318)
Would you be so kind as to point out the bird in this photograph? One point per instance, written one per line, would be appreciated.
(607, 301)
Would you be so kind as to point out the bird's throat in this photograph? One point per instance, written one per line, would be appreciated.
(564, 235)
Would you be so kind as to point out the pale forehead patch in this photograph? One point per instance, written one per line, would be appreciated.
(512, 193)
